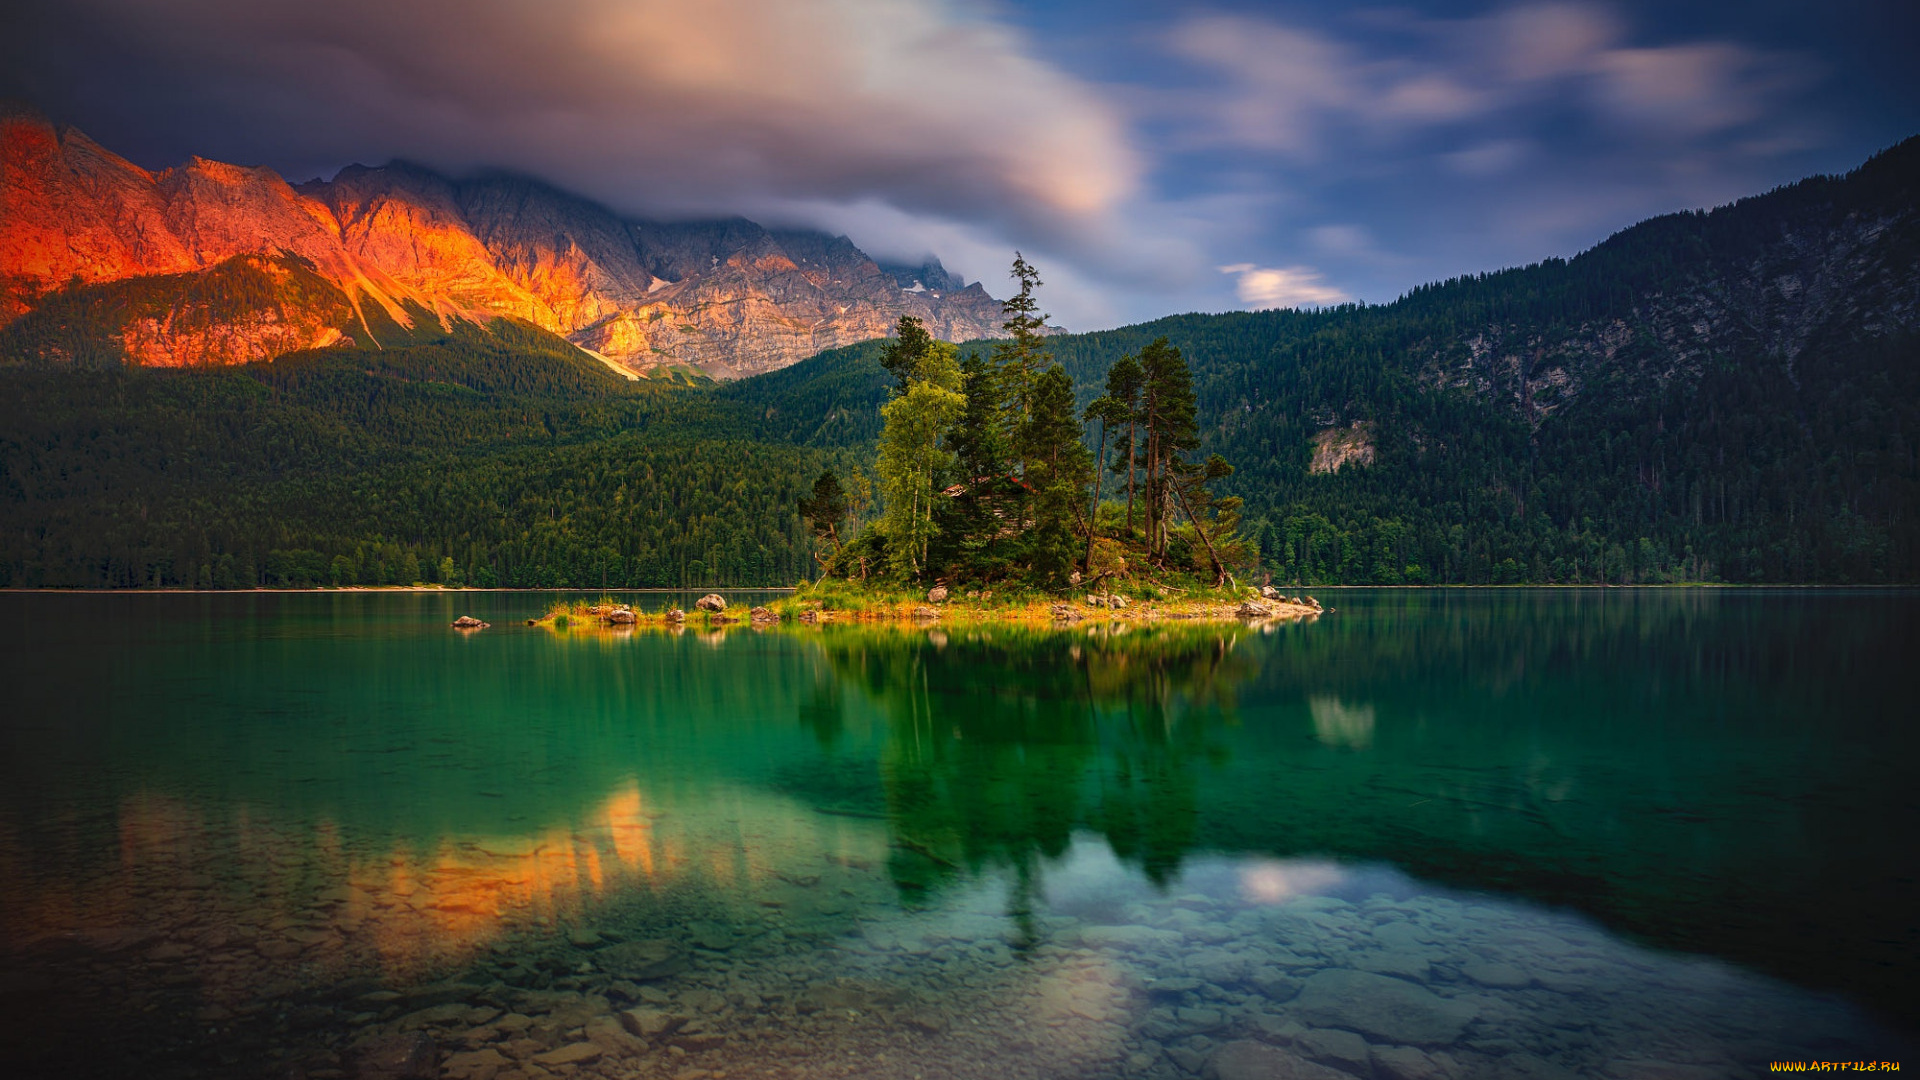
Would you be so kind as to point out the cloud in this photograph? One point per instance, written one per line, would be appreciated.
(1303, 93)
(1487, 158)
(653, 106)
(1261, 287)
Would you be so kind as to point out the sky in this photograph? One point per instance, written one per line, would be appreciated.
(1149, 158)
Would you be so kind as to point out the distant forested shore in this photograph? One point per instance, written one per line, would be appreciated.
(1728, 397)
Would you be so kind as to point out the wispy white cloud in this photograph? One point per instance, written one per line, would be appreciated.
(1261, 287)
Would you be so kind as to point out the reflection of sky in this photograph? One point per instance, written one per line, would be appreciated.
(1263, 947)
(1336, 723)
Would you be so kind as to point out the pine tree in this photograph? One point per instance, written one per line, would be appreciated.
(1124, 382)
(1020, 359)
(967, 524)
(905, 351)
(824, 511)
(1167, 412)
(1216, 522)
(1109, 413)
(1059, 470)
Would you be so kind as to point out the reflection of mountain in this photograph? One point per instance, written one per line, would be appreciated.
(1004, 743)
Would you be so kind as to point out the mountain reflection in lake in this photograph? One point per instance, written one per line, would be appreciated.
(1463, 834)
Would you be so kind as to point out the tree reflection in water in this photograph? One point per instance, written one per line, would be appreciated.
(1003, 742)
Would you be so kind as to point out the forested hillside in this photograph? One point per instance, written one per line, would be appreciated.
(500, 457)
(1725, 396)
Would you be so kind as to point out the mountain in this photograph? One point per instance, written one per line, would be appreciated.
(1725, 395)
(209, 263)
(1728, 396)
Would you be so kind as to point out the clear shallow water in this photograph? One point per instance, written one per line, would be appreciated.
(1611, 833)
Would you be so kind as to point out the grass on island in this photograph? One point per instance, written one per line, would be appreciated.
(837, 600)
(840, 600)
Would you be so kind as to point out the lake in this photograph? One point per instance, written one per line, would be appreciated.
(1612, 833)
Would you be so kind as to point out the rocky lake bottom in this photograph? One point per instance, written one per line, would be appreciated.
(473, 969)
(342, 843)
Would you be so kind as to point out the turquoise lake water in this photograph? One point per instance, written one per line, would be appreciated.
(1608, 833)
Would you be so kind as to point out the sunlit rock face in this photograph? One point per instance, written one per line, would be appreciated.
(728, 297)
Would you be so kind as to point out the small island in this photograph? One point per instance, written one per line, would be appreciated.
(984, 502)
(830, 602)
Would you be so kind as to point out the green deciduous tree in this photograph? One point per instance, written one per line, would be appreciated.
(912, 457)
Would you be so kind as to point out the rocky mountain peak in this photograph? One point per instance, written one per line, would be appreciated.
(727, 296)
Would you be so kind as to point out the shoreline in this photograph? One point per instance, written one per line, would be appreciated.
(333, 589)
(1092, 610)
(789, 589)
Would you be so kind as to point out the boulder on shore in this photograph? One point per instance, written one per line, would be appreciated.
(937, 594)
(1115, 600)
(809, 616)
(676, 615)
(712, 602)
(468, 622)
(1066, 613)
(924, 612)
(621, 616)
(1268, 592)
(762, 615)
(1250, 610)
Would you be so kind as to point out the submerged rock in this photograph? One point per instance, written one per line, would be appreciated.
(1245, 1059)
(1392, 1010)
(468, 622)
(1405, 1063)
(412, 1056)
(579, 1053)
(641, 960)
(713, 602)
(1340, 1049)
(648, 1023)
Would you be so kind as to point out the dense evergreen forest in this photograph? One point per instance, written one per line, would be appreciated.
(1727, 396)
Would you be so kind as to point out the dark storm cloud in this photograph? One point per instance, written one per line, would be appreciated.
(650, 105)
(1153, 158)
